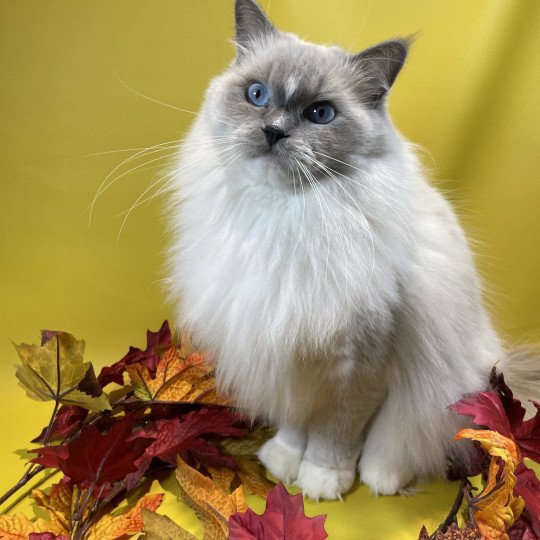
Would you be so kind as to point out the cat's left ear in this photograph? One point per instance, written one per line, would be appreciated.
(378, 67)
(251, 24)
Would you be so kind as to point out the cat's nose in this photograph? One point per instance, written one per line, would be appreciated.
(273, 134)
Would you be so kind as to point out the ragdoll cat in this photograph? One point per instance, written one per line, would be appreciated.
(332, 286)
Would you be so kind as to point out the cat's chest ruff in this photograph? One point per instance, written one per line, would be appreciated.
(285, 254)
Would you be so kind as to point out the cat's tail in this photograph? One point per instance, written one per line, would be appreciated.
(521, 370)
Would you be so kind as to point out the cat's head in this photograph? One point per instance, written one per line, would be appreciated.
(285, 103)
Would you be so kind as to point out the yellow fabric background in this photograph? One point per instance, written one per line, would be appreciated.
(468, 95)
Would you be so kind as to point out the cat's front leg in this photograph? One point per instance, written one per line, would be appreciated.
(282, 454)
(329, 464)
(322, 476)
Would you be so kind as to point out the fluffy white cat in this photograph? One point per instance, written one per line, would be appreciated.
(333, 287)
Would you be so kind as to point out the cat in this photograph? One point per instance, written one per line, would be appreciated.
(331, 284)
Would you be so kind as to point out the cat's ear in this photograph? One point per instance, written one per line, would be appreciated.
(378, 68)
(251, 24)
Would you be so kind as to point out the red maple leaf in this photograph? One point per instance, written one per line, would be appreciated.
(95, 457)
(175, 434)
(67, 421)
(501, 412)
(513, 408)
(486, 409)
(283, 519)
(156, 343)
(521, 530)
(184, 437)
(527, 435)
(528, 486)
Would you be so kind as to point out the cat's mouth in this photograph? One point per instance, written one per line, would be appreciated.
(276, 155)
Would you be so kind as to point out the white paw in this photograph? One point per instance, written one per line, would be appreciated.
(385, 482)
(324, 482)
(280, 459)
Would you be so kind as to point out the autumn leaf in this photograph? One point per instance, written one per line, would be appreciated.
(66, 422)
(283, 518)
(58, 503)
(527, 435)
(500, 411)
(250, 471)
(46, 536)
(469, 532)
(158, 527)
(528, 487)
(96, 458)
(176, 435)
(19, 527)
(496, 508)
(177, 379)
(186, 436)
(512, 407)
(156, 344)
(56, 371)
(522, 530)
(112, 527)
(486, 409)
(212, 506)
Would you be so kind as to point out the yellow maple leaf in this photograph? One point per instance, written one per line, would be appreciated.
(56, 371)
(212, 506)
(496, 508)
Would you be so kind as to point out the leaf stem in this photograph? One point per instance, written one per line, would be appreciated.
(33, 469)
(51, 423)
(28, 475)
(451, 518)
(57, 396)
(97, 507)
(463, 492)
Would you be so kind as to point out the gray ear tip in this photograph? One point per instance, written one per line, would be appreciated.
(406, 42)
(251, 20)
(408, 39)
(401, 45)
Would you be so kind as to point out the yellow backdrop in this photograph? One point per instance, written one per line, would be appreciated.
(469, 96)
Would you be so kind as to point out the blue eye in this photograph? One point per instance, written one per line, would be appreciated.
(257, 94)
(321, 112)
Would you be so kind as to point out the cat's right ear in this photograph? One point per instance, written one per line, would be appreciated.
(379, 66)
(251, 24)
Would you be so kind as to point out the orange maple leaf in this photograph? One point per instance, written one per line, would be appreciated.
(113, 527)
(496, 508)
(212, 505)
(19, 527)
(180, 377)
(59, 504)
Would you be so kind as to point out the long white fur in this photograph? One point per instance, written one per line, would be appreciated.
(346, 312)
(265, 279)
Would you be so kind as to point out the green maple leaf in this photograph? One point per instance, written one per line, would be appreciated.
(56, 371)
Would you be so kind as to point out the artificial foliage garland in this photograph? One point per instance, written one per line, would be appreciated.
(158, 408)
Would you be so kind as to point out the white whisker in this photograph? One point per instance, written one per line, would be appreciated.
(380, 197)
(180, 109)
(168, 177)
